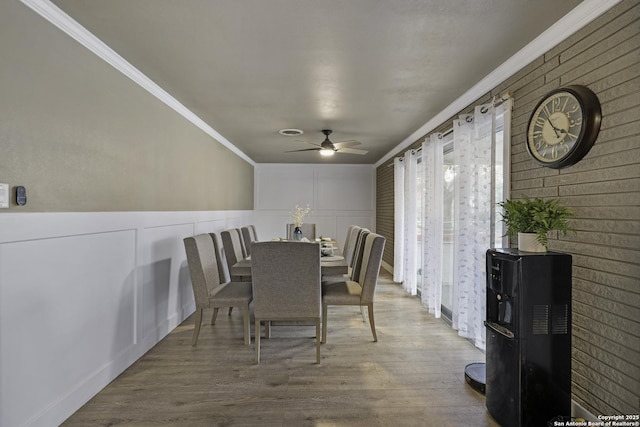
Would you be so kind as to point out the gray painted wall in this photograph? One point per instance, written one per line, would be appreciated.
(604, 191)
(80, 136)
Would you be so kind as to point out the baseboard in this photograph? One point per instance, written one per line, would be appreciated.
(58, 411)
(387, 267)
(578, 410)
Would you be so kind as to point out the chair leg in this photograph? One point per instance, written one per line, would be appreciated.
(372, 322)
(364, 319)
(213, 317)
(247, 327)
(324, 323)
(257, 342)
(196, 329)
(267, 329)
(317, 340)
(230, 310)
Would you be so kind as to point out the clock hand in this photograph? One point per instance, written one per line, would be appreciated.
(555, 129)
(558, 131)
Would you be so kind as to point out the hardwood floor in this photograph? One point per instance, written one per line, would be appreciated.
(413, 375)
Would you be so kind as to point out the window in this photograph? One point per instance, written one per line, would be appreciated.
(448, 230)
(448, 193)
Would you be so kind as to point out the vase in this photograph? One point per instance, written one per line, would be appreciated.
(528, 242)
(297, 233)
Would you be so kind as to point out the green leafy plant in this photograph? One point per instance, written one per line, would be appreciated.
(535, 216)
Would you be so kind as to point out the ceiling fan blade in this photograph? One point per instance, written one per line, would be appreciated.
(305, 149)
(346, 144)
(352, 151)
(338, 147)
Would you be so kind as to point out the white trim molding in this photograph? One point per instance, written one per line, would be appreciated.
(72, 28)
(579, 17)
(108, 285)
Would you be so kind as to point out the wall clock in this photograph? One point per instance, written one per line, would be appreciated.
(563, 126)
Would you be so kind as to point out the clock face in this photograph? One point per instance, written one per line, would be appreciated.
(563, 126)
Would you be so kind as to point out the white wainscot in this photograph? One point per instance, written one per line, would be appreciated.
(84, 295)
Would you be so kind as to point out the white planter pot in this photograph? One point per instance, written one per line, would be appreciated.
(527, 242)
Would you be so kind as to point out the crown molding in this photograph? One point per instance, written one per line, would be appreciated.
(69, 26)
(573, 21)
(580, 16)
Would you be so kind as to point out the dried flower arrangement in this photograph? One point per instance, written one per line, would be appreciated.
(298, 214)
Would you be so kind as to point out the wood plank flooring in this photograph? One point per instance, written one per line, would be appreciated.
(413, 375)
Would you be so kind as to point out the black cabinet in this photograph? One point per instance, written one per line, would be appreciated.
(528, 321)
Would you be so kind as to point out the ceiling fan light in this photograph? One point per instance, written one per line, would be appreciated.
(326, 152)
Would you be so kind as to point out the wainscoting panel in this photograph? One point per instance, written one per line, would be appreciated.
(348, 188)
(345, 220)
(166, 286)
(53, 292)
(339, 195)
(84, 295)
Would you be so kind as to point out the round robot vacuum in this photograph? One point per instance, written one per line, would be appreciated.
(475, 374)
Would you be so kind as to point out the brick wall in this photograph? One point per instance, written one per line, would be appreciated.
(603, 190)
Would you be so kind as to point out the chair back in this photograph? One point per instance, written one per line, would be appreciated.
(249, 236)
(358, 253)
(205, 267)
(308, 231)
(234, 250)
(286, 280)
(350, 243)
(373, 248)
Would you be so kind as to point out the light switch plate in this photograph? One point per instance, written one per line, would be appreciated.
(4, 195)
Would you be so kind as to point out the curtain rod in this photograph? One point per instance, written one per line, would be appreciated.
(445, 133)
(503, 98)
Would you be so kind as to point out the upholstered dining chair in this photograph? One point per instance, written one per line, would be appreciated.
(351, 255)
(357, 254)
(286, 285)
(360, 290)
(234, 250)
(210, 288)
(308, 231)
(249, 236)
(350, 243)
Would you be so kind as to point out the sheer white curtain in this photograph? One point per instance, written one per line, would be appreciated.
(473, 141)
(480, 165)
(398, 220)
(433, 226)
(409, 282)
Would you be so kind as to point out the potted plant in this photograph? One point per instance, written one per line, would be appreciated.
(532, 219)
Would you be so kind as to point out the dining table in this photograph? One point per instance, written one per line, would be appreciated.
(331, 264)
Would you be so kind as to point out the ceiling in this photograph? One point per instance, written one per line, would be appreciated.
(371, 70)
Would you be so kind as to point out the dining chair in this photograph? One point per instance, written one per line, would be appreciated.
(357, 254)
(347, 240)
(249, 236)
(286, 285)
(360, 290)
(234, 250)
(210, 289)
(347, 251)
(308, 231)
(351, 255)
(350, 243)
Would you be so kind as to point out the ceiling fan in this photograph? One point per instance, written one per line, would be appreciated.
(328, 148)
